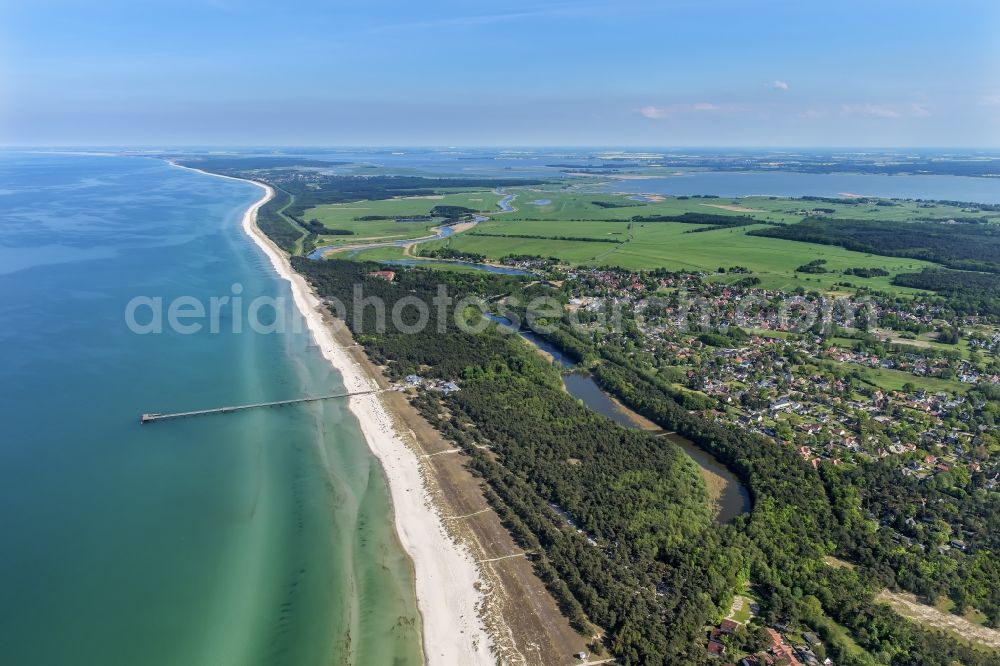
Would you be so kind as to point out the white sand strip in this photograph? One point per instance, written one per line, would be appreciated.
(447, 576)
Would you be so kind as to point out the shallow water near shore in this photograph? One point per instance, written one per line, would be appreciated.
(260, 537)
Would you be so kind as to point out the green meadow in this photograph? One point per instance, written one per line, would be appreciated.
(394, 253)
(677, 246)
(588, 229)
(387, 253)
(346, 215)
(572, 204)
(894, 380)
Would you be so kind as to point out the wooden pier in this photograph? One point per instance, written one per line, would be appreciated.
(157, 416)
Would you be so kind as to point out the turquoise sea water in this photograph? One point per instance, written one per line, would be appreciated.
(261, 537)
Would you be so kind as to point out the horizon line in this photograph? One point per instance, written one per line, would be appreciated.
(457, 146)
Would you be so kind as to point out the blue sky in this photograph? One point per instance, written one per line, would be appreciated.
(454, 72)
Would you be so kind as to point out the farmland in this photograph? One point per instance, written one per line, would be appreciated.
(582, 228)
(578, 231)
(393, 219)
(672, 245)
(572, 203)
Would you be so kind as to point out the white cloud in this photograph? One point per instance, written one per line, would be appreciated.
(887, 112)
(654, 112)
(469, 21)
(660, 112)
(877, 111)
(811, 114)
(990, 100)
(778, 85)
(870, 110)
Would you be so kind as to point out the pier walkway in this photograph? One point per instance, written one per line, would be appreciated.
(156, 416)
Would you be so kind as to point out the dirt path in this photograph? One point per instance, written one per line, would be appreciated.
(908, 606)
(735, 209)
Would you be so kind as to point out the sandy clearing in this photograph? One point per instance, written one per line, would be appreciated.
(735, 209)
(909, 606)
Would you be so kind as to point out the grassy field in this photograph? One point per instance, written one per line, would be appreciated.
(391, 253)
(922, 342)
(344, 216)
(575, 205)
(396, 254)
(566, 223)
(893, 380)
(973, 615)
(926, 341)
(673, 245)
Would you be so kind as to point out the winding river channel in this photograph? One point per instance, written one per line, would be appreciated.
(439, 232)
(729, 498)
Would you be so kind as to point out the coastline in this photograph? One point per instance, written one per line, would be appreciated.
(447, 578)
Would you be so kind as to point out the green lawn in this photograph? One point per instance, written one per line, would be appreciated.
(893, 380)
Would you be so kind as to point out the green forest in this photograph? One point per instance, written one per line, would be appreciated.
(965, 292)
(616, 520)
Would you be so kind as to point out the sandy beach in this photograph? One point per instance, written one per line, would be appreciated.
(448, 579)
